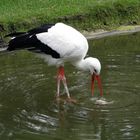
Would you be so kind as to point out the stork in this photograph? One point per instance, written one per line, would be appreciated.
(59, 43)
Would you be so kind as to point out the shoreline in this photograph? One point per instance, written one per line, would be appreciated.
(122, 30)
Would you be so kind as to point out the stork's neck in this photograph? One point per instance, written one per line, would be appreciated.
(81, 65)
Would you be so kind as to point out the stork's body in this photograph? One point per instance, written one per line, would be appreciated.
(57, 44)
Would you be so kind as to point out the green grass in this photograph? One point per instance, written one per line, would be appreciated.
(84, 14)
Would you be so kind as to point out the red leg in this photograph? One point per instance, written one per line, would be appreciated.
(61, 77)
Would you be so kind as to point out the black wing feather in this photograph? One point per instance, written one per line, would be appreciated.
(39, 47)
(29, 41)
(41, 29)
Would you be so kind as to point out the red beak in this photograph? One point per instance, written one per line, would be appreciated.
(97, 77)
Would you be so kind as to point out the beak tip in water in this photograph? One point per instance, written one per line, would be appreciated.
(99, 84)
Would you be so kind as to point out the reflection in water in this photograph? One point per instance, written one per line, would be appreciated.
(28, 109)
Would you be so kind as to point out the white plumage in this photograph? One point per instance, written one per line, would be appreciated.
(68, 42)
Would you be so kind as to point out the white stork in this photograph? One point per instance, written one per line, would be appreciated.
(59, 43)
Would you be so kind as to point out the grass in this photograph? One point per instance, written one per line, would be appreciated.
(126, 28)
(84, 14)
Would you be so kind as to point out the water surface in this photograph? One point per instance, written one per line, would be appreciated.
(28, 109)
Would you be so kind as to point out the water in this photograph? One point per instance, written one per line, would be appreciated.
(28, 109)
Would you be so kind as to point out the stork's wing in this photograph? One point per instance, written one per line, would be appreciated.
(29, 41)
(57, 40)
(65, 40)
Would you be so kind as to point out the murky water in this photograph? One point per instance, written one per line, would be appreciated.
(28, 110)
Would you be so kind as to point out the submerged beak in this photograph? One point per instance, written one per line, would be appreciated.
(97, 77)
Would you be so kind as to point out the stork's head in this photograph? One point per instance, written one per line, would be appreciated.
(94, 67)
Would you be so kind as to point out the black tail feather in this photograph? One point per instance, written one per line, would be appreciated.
(29, 41)
(19, 42)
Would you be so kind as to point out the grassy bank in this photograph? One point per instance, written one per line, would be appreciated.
(83, 14)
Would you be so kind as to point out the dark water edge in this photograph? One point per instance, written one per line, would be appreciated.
(2, 43)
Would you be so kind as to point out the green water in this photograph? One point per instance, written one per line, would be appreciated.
(28, 110)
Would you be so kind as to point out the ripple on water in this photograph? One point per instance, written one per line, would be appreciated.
(2, 129)
(36, 122)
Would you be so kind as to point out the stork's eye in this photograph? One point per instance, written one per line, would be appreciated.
(95, 70)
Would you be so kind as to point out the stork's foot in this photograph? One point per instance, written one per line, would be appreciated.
(60, 99)
(71, 100)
